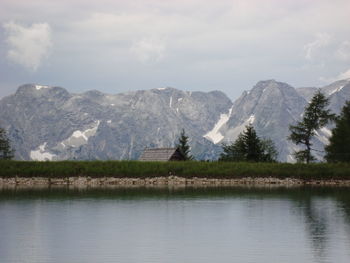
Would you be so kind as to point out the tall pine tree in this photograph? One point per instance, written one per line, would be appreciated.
(338, 149)
(184, 147)
(6, 152)
(315, 117)
(253, 145)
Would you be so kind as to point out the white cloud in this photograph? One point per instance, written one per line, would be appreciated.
(201, 44)
(344, 75)
(311, 49)
(341, 76)
(148, 50)
(28, 46)
(343, 52)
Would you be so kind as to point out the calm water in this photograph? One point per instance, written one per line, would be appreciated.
(185, 225)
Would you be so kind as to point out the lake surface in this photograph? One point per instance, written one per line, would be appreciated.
(175, 225)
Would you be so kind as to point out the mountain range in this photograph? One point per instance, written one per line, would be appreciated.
(49, 123)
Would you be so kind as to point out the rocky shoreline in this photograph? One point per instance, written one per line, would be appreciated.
(164, 181)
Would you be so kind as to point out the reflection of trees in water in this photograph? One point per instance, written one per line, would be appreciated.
(343, 199)
(321, 208)
(317, 225)
(343, 203)
(345, 207)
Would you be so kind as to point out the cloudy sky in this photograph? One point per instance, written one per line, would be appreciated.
(117, 45)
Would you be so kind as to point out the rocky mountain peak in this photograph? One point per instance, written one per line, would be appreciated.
(35, 90)
(272, 84)
(46, 122)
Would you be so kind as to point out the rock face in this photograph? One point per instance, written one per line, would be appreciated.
(272, 106)
(338, 92)
(49, 123)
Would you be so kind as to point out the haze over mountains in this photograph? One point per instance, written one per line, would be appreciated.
(49, 123)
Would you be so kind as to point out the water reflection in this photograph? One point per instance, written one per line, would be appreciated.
(343, 205)
(316, 224)
(116, 224)
(297, 194)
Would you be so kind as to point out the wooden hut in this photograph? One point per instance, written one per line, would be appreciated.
(161, 155)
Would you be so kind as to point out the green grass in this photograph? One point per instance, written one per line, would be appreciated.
(136, 169)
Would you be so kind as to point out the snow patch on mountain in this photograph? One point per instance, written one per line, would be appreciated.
(79, 138)
(232, 134)
(290, 158)
(336, 90)
(40, 154)
(322, 138)
(251, 119)
(292, 149)
(214, 135)
(326, 131)
(39, 87)
(323, 135)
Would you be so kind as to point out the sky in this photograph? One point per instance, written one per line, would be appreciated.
(195, 45)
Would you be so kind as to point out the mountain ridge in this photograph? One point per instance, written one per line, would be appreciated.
(51, 123)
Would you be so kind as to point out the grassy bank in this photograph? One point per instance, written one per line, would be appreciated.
(135, 169)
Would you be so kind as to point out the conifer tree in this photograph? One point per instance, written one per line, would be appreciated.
(249, 147)
(270, 153)
(184, 147)
(253, 146)
(6, 152)
(338, 149)
(315, 117)
(235, 152)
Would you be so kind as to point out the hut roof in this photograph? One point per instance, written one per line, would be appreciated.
(160, 154)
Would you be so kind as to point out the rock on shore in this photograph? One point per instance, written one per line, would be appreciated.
(162, 181)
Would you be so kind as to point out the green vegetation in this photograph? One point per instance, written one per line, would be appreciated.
(338, 149)
(6, 152)
(249, 148)
(183, 146)
(315, 117)
(190, 169)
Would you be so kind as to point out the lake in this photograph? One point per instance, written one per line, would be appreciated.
(189, 225)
